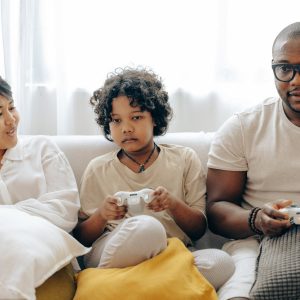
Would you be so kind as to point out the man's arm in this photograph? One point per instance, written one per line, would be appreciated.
(224, 195)
(225, 215)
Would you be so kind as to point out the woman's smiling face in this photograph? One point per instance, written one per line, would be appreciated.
(9, 120)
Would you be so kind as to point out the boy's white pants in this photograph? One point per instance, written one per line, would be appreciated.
(139, 238)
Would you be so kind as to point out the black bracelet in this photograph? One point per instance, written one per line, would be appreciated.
(251, 220)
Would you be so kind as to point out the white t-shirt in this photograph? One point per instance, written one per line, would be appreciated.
(36, 177)
(265, 144)
(177, 168)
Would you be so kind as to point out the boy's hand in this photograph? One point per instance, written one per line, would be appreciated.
(271, 221)
(109, 210)
(161, 200)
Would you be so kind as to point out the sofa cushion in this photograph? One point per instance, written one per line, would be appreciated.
(169, 275)
(33, 250)
(277, 269)
(60, 286)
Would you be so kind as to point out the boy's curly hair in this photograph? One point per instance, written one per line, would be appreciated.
(144, 89)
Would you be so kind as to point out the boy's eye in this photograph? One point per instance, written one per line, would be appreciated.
(136, 117)
(115, 120)
(12, 108)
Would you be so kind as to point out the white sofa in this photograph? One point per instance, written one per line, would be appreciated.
(81, 149)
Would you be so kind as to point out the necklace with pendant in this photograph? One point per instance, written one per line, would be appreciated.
(142, 166)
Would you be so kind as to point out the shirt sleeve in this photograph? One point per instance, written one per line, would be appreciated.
(91, 193)
(60, 203)
(227, 151)
(195, 182)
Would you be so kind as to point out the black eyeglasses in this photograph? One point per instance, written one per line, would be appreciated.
(285, 72)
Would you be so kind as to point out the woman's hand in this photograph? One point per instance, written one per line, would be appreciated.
(109, 210)
(162, 199)
(271, 221)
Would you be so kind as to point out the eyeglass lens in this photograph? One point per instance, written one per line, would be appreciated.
(286, 72)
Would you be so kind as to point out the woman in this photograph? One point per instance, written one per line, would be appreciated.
(38, 207)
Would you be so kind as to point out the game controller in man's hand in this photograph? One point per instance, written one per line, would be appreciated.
(294, 213)
(136, 201)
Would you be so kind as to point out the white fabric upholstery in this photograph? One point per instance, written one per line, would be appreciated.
(81, 149)
(27, 257)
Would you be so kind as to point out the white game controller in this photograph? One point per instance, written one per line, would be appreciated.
(294, 213)
(136, 201)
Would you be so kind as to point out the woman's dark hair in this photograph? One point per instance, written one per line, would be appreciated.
(5, 89)
(144, 89)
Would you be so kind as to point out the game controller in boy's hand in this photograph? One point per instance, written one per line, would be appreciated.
(136, 201)
(294, 213)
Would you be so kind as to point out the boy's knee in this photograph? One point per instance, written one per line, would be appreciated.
(216, 265)
(138, 239)
(144, 226)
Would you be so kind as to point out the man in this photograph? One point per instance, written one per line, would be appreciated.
(254, 167)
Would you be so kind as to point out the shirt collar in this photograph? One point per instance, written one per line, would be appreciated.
(15, 153)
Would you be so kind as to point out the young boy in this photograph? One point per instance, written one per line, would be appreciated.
(132, 107)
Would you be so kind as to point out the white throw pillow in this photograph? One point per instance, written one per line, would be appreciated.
(31, 250)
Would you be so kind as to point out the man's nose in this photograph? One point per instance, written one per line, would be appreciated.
(296, 79)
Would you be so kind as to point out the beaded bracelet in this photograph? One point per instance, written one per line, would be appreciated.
(251, 220)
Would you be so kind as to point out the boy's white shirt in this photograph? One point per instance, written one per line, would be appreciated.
(177, 168)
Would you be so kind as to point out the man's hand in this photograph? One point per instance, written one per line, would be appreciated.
(271, 221)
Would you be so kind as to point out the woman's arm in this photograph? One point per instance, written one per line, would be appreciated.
(56, 198)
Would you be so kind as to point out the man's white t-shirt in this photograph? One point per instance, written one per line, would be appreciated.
(263, 142)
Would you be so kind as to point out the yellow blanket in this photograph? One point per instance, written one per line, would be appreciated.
(169, 275)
